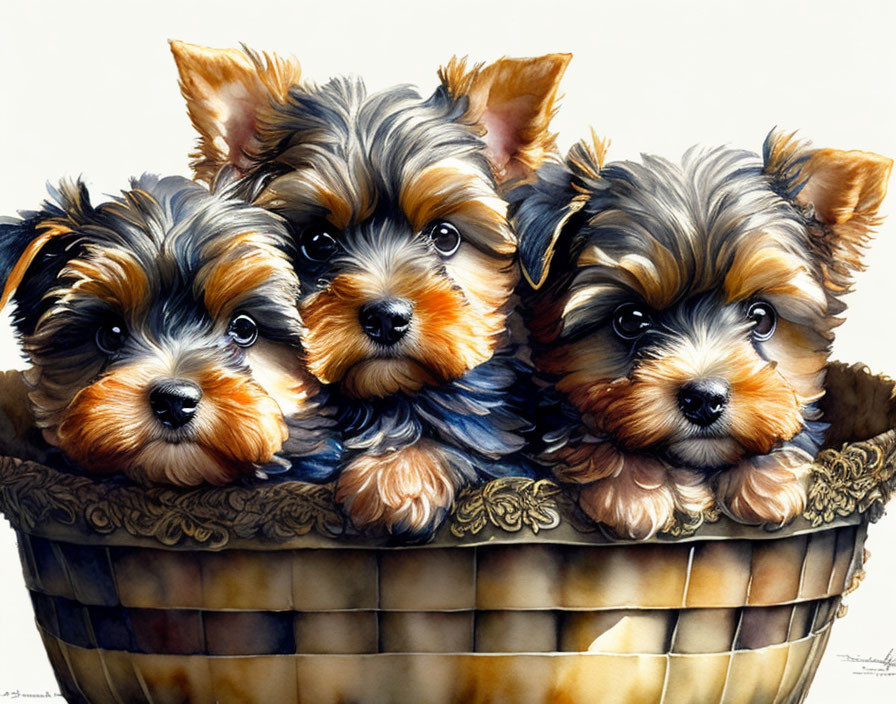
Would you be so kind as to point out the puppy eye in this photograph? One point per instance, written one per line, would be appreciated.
(243, 330)
(444, 236)
(111, 337)
(318, 244)
(631, 320)
(764, 320)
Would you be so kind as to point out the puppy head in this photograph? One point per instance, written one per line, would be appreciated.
(404, 250)
(689, 309)
(162, 330)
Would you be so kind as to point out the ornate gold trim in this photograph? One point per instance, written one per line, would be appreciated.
(509, 504)
(31, 494)
(859, 478)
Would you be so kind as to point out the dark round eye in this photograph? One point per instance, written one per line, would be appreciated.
(444, 236)
(111, 337)
(764, 320)
(631, 320)
(318, 244)
(243, 330)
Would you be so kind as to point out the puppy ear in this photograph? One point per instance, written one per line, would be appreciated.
(226, 91)
(842, 190)
(20, 243)
(542, 210)
(38, 238)
(539, 221)
(841, 186)
(512, 101)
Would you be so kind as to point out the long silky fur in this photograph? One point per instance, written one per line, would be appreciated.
(172, 261)
(696, 239)
(380, 167)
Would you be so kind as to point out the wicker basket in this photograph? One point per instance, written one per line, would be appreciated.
(255, 595)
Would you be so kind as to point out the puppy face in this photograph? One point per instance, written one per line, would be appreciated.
(692, 306)
(162, 330)
(405, 255)
(407, 268)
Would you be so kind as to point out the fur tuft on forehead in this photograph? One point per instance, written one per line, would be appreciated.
(169, 238)
(339, 154)
(668, 231)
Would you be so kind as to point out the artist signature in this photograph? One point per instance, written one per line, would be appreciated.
(878, 667)
(19, 694)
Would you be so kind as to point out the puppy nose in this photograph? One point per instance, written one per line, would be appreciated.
(703, 401)
(175, 402)
(386, 321)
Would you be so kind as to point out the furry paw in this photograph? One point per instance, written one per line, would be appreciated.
(637, 503)
(767, 488)
(406, 492)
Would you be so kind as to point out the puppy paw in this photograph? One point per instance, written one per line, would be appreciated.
(586, 462)
(766, 489)
(407, 492)
(693, 494)
(637, 503)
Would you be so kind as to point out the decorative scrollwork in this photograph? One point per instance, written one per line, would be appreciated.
(859, 478)
(685, 526)
(510, 504)
(31, 494)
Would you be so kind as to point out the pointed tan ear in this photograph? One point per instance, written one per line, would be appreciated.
(512, 101)
(226, 90)
(842, 190)
(843, 185)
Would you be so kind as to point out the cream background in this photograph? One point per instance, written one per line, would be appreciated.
(90, 88)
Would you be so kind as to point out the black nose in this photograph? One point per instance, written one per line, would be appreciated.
(386, 321)
(175, 402)
(703, 401)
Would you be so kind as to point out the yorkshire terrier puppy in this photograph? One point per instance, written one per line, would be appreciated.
(406, 258)
(686, 321)
(163, 334)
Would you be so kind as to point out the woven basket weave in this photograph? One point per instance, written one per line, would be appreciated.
(259, 595)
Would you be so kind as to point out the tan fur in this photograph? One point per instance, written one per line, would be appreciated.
(636, 494)
(404, 490)
(766, 488)
(761, 267)
(213, 81)
(785, 153)
(843, 191)
(113, 276)
(586, 160)
(841, 185)
(345, 201)
(587, 462)
(245, 426)
(108, 427)
(514, 123)
(236, 271)
(452, 190)
(381, 377)
(447, 337)
(642, 496)
(641, 411)
(279, 371)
